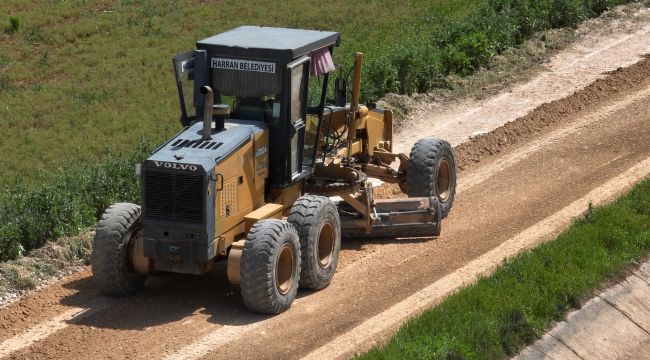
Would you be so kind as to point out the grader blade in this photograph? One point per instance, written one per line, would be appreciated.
(396, 218)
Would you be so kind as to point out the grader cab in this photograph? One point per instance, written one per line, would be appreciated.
(269, 173)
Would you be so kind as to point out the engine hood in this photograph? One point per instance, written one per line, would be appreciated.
(188, 152)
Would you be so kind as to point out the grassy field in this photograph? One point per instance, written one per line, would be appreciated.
(82, 78)
(500, 314)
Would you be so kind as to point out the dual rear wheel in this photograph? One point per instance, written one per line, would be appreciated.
(318, 224)
(280, 256)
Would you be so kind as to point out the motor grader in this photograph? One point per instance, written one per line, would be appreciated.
(268, 173)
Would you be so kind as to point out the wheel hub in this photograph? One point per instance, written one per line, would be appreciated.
(443, 180)
(325, 245)
(284, 269)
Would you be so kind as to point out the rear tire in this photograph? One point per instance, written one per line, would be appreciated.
(317, 222)
(432, 172)
(110, 264)
(270, 267)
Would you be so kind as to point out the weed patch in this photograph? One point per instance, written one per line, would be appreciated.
(14, 24)
(17, 278)
(5, 83)
(54, 259)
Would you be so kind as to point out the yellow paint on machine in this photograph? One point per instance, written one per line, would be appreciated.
(241, 190)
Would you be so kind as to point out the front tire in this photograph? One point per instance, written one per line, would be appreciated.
(432, 172)
(270, 267)
(110, 264)
(319, 227)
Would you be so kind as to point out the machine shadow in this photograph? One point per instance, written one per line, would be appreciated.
(358, 244)
(166, 298)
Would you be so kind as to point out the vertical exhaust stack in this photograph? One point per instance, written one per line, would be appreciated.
(354, 105)
(207, 112)
(356, 82)
(221, 113)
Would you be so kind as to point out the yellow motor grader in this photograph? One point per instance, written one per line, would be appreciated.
(268, 173)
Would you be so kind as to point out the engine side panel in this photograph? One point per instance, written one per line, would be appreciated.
(244, 175)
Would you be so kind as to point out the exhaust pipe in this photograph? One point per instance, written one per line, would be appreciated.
(221, 113)
(354, 105)
(207, 112)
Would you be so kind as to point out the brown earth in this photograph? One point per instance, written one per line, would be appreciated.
(551, 114)
(511, 179)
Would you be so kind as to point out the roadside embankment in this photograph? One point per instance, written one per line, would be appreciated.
(501, 313)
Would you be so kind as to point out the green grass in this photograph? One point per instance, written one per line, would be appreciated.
(500, 314)
(80, 75)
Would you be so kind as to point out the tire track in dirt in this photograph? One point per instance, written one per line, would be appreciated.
(502, 163)
(47, 328)
(549, 116)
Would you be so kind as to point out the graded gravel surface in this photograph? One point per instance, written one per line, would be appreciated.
(506, 188)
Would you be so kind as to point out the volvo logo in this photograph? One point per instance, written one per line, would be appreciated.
(175, 166)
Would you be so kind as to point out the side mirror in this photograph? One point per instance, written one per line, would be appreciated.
(340, 92)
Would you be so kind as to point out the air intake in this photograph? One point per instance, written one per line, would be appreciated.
(194, 144)
(173, 196)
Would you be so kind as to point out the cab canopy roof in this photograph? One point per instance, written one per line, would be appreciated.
(268, 42)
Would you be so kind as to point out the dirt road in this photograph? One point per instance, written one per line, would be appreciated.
(519, 185)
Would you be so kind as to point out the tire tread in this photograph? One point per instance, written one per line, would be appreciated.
(257, 266)
(108, 258)
(421, 171)
(304, 216)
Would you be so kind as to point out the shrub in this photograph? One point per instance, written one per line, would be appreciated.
(14, 23)
(5, 82)
(66, 201)
(462, 47)
(456, 61)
